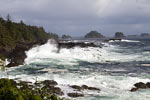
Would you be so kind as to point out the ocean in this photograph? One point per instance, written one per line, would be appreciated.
(114, 68)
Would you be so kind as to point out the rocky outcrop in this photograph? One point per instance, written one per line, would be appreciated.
(17, 55)
(94, 34)
(140, 85)
(84, 87)
(74, 95)
(69, 45)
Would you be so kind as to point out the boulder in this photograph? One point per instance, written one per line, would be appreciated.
(49, 82)
(140, 85)
(93, 88)
(83, 87)
(76, 87)
(134, 89)
(148, 84)
(74, 95)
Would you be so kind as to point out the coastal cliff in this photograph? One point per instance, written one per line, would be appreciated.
(16, 38)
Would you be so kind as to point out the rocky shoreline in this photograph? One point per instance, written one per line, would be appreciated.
(40, 90)
(17, 55)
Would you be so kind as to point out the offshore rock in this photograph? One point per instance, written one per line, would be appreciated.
(140, 85)
(69, 45)
(83, 87)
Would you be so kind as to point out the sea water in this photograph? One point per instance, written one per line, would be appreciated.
(114, 68)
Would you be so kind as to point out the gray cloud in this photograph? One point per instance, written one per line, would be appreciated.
(77, 17)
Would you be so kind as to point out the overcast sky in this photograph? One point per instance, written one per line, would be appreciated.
(77, 17)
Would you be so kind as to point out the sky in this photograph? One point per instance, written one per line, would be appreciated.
(78, 17)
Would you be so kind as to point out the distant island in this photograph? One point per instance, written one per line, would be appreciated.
(119, 35)
(66, 36)
(93, 34)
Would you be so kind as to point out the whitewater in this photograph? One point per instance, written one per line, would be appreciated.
(114, 68)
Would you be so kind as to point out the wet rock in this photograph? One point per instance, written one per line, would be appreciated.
(69, 45)
(90, 88)
(74, 95)
(52, 89)
(17, 54)
(140, 85)
(79, 88)
(76, 87)
(85, 87)
(58, 91)
(49, 82)
(134, 89)
(93, 88)
(148, 84)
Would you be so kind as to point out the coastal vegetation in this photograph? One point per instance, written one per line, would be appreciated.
(12, 33)
(13, 90)
(16, 38)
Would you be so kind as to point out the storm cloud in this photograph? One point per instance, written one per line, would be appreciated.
(77, 17)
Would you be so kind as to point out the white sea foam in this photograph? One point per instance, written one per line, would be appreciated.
(124, 40)
(49, 50)
(71, 56)
(112, 87)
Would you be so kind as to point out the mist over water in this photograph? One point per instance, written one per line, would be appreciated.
(114, 68)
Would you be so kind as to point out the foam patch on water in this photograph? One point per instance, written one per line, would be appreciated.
(124, 40)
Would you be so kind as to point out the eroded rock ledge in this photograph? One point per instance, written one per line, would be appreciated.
(140, 85)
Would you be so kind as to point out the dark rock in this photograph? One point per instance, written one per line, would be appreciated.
(140, 85)
(17, 55)
(93, 88)
(58, 91)
(50, 82)
(148, 84)
(134, 89)
(85, 87)
(52, 89)
(69, 45)
(76, 87)
(74, 95)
